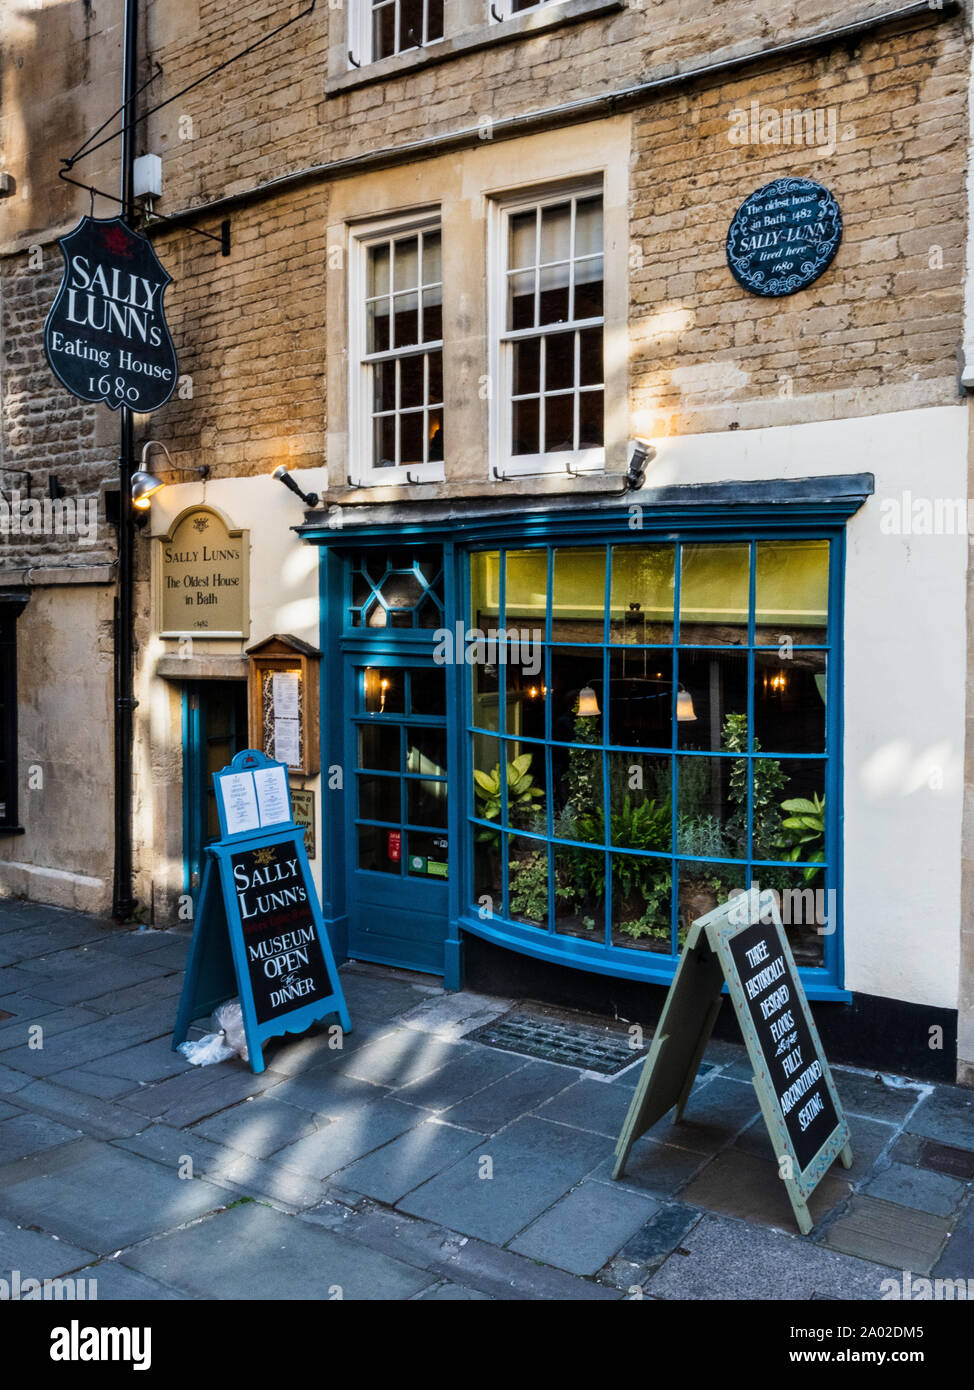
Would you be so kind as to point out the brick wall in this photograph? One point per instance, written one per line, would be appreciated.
(45, 429)
(880, 330)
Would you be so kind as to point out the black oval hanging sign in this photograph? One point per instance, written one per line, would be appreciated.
(106, 336)
(784, 236)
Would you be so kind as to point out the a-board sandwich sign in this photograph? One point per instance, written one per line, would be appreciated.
(743, 944)
(106, 336)
(259, 932)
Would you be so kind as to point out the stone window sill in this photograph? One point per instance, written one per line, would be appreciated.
(486, 36)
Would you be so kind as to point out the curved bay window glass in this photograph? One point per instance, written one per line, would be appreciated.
(649, 734)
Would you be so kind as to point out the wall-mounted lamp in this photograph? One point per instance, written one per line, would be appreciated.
(310, 499)
(684, 705)
(588, 705)
(642, 456)
(146, 484)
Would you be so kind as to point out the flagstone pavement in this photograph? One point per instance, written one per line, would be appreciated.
(414, 1162)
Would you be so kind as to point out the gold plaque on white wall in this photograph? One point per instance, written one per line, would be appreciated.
(201, 572)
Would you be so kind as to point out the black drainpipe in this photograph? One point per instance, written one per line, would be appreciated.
(123, 903)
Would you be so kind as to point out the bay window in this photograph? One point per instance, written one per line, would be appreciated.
(650, 734)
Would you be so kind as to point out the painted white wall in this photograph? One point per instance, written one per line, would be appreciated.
(905, 676)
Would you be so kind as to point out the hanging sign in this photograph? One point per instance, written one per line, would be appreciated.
(783, 237)
(743, 944)
(259, 932)
(106, 336)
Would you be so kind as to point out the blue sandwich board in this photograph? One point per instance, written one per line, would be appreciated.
(259, 932)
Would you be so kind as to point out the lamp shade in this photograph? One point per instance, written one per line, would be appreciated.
(684, 706)
(588, 705)
(143, 486)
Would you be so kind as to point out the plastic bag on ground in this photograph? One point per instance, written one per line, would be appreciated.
(228, 1041)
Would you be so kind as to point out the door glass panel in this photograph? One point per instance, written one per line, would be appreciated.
(378, 799)
(378, 747)
(425, 802)
(426, 751)
(379, 850)
(403, 774)
(427, 690)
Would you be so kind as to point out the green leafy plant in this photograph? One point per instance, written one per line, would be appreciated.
(768, 781)
(522, 794)
(528, 886)
(802, 834)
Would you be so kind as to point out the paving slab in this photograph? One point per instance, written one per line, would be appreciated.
(31, 1134)
(88, 982)
(591, 1105)
(12, 1081)
(869, 1139)
(349, 1138)
(715, 1113)
(15, 1032)
(91, 1084)
(390, 1172)
(585, 1228)
(200, 1092)
(873, 1098)
(533, 1162)
(147, 1061)
(947, 1115)
(514, 1095)
(400, 1057)
(380, 999)
(957, 1259)
(659, 1169)
(739, 1184)
(99, 1197)
(889, 1234)
(727, 1259)
(452, 1016)
(250, 1246)
(319, 1046)
(477, 1068)
(6, 1110)
(658, 1237)
(918, 1188)
(121, 1000)
(260, 1126)
(938, 1158)
(99, 1118)
(451, 1293)
(464, 1259)
(114, 1282)
(36, 1254)
(327, 1091)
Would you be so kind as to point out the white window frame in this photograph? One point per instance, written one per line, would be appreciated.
(361, 443)
(500, 11)
(360, 53)
(502, 462)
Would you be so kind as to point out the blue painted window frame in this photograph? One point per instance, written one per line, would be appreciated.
(543, 942)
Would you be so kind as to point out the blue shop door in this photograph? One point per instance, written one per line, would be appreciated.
(215, 729)
(396, 835)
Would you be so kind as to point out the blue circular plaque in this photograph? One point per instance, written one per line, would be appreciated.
(784, 236)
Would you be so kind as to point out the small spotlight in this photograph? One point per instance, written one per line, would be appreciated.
(144, 486)
(643, 454)
(310, 499)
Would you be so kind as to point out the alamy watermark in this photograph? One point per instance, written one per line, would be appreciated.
(463, 646)
(813, 127)
(19, 1288)
(49, 516)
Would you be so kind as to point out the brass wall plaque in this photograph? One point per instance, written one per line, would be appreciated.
(201, 573)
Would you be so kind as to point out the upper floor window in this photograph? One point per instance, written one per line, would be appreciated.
(397, 333)
(507, 9)
(394, 26)
(549, 321)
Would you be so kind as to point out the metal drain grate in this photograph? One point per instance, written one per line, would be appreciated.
(548, 1038)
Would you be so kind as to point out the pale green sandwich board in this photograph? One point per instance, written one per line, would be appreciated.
(743, 944)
